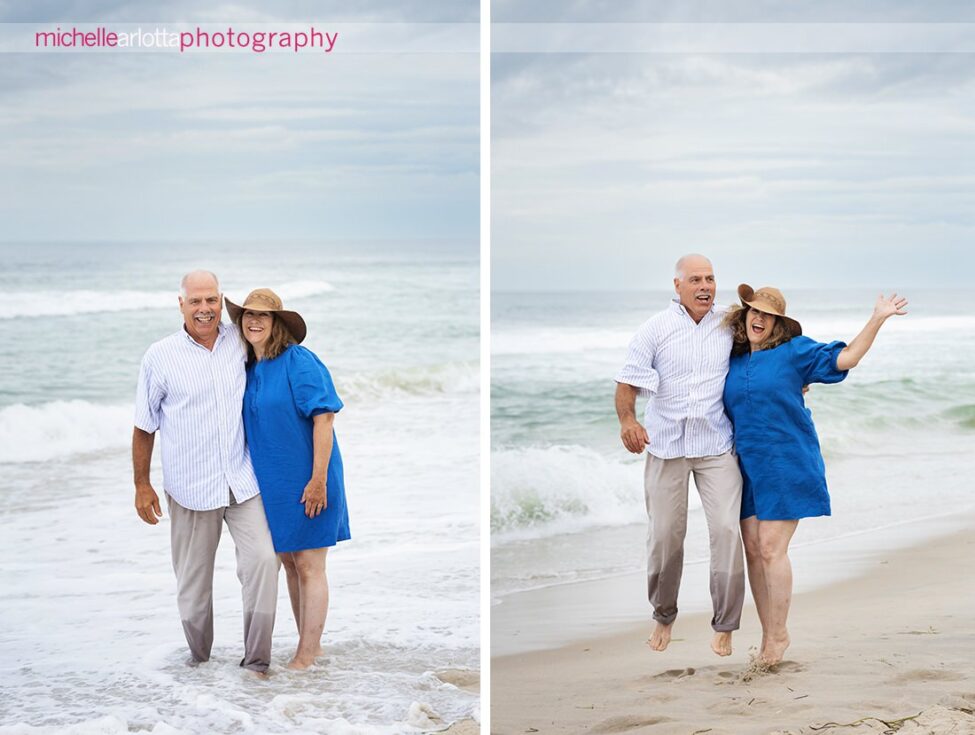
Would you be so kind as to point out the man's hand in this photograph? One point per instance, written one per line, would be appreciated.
(315, 496)
(634, 436)
(147, 504)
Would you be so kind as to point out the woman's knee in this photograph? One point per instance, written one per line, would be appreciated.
(310, 563)
(749, 537)
(771, 548)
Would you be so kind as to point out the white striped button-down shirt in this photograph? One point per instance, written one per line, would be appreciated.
(193, 397)
(681, 365)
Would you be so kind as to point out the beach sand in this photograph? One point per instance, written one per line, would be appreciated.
(895, 642)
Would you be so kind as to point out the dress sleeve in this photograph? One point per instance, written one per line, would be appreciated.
(638, 369)
(148, 397)
(816, 361)
(311, 384)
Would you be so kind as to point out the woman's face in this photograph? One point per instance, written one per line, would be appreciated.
(758, 326)
(256, 326)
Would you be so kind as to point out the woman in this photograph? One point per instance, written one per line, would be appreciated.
(289, 407)
(778, 449)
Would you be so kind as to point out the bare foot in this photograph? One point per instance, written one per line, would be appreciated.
(302, 660)
(660, 638)
(721, 643)
(774, 649)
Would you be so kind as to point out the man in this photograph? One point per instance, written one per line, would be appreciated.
(191, 388)
(679, 358)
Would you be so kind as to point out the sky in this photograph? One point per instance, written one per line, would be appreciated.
(800, 169)
(164, 147)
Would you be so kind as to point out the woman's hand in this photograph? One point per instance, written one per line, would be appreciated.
(885, 307)
(315, 496)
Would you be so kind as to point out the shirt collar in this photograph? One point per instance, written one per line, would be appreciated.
(221, 331)
(677, 306)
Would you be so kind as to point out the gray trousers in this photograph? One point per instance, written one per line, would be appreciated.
(718, 481)
(194, 537)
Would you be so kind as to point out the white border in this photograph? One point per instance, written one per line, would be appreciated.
(485, 423)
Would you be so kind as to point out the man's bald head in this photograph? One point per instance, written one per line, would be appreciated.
(197, 279)
(695, 285)
(690, 262)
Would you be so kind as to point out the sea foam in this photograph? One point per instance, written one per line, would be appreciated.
(87, 301)
(61, 428)
(538, 492)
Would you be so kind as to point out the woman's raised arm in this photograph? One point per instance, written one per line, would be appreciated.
(851, 355)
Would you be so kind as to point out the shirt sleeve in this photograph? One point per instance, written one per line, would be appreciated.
(148, 397)
(638, 369)
(311, 384)
(816, 361)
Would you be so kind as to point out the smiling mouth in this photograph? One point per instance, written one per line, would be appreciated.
(204, 318)
(758, 329)
(704, 298)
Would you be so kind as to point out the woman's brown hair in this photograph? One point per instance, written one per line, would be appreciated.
(735, 321)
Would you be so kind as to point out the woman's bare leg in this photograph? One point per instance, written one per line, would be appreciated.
(313, 582)
(774, 538)
(756, 573)
(294, 586)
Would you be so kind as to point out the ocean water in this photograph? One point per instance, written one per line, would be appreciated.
(90, 640)
(567, 500)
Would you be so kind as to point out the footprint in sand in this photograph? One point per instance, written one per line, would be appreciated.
(625, 723)
(787, 667)
(909, 677)
(756, 668)
(675, 674)
(726, 677)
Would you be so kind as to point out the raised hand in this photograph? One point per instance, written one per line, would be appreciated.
(887, 307)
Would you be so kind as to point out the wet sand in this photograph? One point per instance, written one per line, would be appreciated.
(890, 650)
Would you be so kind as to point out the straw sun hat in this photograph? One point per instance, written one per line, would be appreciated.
(264, 299)
(771, 301)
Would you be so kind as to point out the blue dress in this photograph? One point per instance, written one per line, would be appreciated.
(281, 398)
(778, 449)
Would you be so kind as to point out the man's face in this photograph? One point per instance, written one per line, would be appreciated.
(696, 289)
(201, 309)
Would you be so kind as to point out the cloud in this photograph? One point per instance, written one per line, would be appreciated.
(606, 162)
(377, 145)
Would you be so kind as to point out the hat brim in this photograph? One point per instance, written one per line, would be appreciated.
(292, 320)
(747, 294)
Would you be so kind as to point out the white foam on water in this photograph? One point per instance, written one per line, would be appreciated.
(555, 340)
(88, 301)
(36, 433)
(70, 303)
(287, 291)
(541, 492)
(61, 428)
(404, 595)
(573, 340)
(452, 377)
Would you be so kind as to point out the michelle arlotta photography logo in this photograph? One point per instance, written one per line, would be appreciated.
(196, 39)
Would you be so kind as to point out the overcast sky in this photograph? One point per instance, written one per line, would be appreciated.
(144, 146)
(797, 169)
